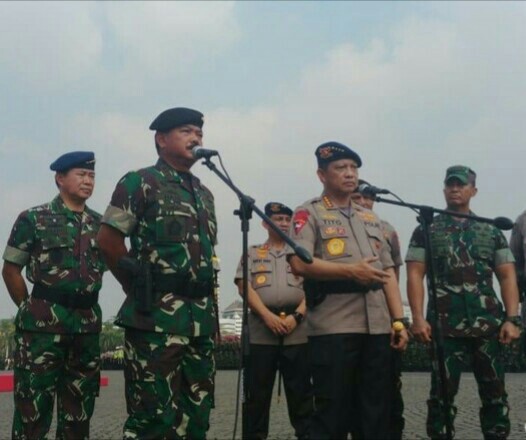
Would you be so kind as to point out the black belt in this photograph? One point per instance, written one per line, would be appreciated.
(343, 286)
(288, 310)
(65, 298)
(182, 286)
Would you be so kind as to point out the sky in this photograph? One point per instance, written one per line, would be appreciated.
(413, 87)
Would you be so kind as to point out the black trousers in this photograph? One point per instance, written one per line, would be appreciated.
(264, 362)
(344, 367)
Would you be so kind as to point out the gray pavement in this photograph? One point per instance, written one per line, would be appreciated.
(110, 410)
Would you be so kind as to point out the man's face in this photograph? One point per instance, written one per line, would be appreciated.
(340, 176)
(282, 221)
(361, 200)
(458, 194)
(77, 183)
(176, 145)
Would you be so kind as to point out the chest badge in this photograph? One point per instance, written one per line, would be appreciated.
(261, 279)
(335, 246)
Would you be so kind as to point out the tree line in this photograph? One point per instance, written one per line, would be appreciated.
(228, 350)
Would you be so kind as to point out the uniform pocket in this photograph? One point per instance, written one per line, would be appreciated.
(261, 278)
(335, 242)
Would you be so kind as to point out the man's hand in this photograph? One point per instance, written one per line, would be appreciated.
(421, 330)
(365, 273)
(291, 324)
(399, 339)
(508, 333)
(276, 325)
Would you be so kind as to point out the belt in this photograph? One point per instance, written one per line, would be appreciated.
(65, 298)
(288, 309)
(182, 285)
(345, 286)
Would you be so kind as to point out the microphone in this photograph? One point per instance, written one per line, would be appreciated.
(365, 188)
(503, 223)
(203, 153)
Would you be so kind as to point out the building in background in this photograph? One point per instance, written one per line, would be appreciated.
(231, 319)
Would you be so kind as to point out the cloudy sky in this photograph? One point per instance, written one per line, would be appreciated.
(413, 87)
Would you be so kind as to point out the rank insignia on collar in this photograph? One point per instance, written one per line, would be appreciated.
(327, 202)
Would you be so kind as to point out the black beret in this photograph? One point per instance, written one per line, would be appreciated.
(175, 117)
(331, 151)
(272, 208)
(74, 159)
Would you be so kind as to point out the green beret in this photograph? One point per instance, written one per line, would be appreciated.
(176, 117)
(273, 208)
(75, 159)
(464, 174)
(331, 151)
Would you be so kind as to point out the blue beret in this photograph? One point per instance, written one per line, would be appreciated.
(175, 117)
(75, 159)
(272, 208)
(331, 151)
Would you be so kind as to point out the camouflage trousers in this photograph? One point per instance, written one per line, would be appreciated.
(483, 354)
(169, 383)
(49, 364)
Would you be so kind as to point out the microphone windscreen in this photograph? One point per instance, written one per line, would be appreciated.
(503, 223)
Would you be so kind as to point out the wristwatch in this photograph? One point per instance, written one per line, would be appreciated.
(298, 317)
(515, 320)
(404, 321)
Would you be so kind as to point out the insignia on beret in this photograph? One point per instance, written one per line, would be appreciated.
(325, 152)
(331, 151)
(272, 208)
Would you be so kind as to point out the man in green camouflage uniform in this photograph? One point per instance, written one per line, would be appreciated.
(466, 253)
(169, 325)
(58, 325)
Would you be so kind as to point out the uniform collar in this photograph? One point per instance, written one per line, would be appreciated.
(171, 173)
(58, 206)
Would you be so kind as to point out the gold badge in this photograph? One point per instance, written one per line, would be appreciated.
(262, 252)
(261, 279)
(336, 246)
(367, 216)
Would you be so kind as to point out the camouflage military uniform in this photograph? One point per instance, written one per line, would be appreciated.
(57, 342)
(465, 254)
(169, 365)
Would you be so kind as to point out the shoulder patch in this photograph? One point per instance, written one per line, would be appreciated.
(300, 219)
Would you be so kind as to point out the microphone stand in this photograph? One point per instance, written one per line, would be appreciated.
(247, 206)
(426, 219)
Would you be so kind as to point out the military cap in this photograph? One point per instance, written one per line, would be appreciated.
(331, 151)
(273, 208)
(464, 174)
(74, 159)
(175, 117)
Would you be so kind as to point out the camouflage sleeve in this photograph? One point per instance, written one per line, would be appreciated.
(20, 241)
(517, 244)
(416, 250)
(503, 253)
(127, 204)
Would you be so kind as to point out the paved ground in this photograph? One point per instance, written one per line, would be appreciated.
(110, 410)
